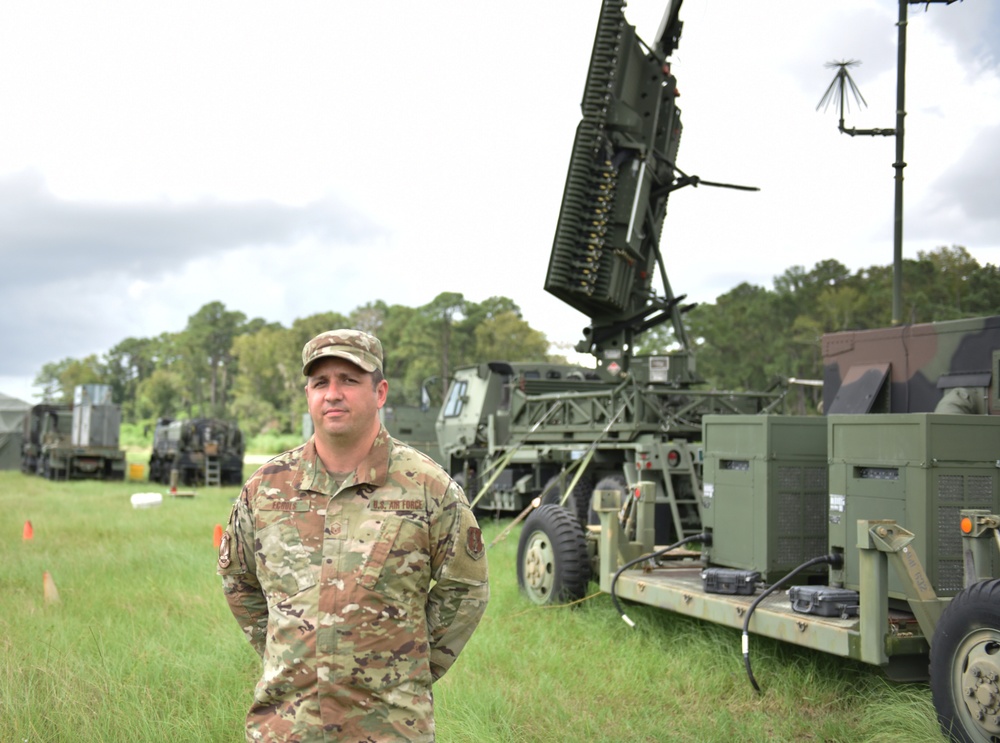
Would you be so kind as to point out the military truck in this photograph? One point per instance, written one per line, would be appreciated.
(75, 441)
(413, 424)
(196, 451)
(794, 521)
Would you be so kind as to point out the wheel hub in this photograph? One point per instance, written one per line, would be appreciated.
(980, 683)
(538, 565)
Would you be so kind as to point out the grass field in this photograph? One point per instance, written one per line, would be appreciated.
(141, 647)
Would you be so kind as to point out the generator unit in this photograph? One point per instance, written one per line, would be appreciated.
(96, 419)
(920, 470)
(765, 492)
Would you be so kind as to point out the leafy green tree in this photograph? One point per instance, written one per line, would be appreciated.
(126, 365)
(269, 378)
(506, 336)
(369, 318)
(442, 313)
(49, 380)
(410, 356)
(206, 344)
(59, 380)
(161, 395)
(737, 354)
(950, 272)
(223, 365)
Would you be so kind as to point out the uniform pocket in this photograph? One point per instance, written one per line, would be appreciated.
(398, 564)
(284, 564)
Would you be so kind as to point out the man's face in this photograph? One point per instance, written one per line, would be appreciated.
(342, 403)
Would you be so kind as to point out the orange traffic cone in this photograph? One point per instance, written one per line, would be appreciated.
(28, 533)
(218, 536)
(49, 589)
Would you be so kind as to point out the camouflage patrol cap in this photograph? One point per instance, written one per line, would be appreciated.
(353, 345)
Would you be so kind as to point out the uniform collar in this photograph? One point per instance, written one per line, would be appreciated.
(372, 470)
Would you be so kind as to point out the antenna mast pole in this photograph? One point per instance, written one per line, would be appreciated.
(897, 227)
(840, 84)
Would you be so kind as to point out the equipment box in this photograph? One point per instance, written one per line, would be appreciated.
(729, 581)
(765, 492)
(824, 601)
(920, 470)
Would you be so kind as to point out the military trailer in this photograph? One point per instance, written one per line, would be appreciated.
(196, 451)
(75, 441)
(871, 537)
(870, 532)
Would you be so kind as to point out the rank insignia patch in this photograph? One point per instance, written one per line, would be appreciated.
(224, 551)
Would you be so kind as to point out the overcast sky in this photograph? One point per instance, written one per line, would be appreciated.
(294, 158)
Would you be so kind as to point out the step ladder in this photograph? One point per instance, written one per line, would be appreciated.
(212, 471)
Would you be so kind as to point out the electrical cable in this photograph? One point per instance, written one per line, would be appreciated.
(704, 538)
(837, 560)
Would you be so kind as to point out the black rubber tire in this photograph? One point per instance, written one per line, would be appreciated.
(965, 656)
(552, 562)
(578, 501)
(156, 471)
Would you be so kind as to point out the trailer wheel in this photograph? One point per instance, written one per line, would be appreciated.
(552, 562)
(965, 665)
(578, 501)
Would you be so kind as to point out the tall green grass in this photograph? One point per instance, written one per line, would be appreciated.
(142, 648)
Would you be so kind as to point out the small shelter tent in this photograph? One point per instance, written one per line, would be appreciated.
(12, 414)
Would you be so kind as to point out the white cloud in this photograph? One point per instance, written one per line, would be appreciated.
(293, 159)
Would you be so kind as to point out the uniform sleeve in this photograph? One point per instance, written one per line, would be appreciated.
(458, 599)
(239, 574)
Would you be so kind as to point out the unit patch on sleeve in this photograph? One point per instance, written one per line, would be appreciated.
(474, 543)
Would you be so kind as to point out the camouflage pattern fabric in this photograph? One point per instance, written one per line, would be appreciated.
(918, 363)
(356, 598)
(355, 346)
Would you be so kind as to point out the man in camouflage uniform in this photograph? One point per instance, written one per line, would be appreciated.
(354, 565)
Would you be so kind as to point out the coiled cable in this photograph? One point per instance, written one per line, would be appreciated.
(835, 559)
(704, 538)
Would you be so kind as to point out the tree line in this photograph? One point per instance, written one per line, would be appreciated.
(751, 336)
(224, 365)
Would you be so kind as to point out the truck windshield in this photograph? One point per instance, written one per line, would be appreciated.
(455, 401)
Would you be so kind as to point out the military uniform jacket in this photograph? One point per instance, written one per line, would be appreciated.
(357, 598)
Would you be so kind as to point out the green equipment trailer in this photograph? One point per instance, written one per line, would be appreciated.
(869, 532)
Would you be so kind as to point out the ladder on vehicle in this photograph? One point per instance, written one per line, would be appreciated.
(212, 471)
